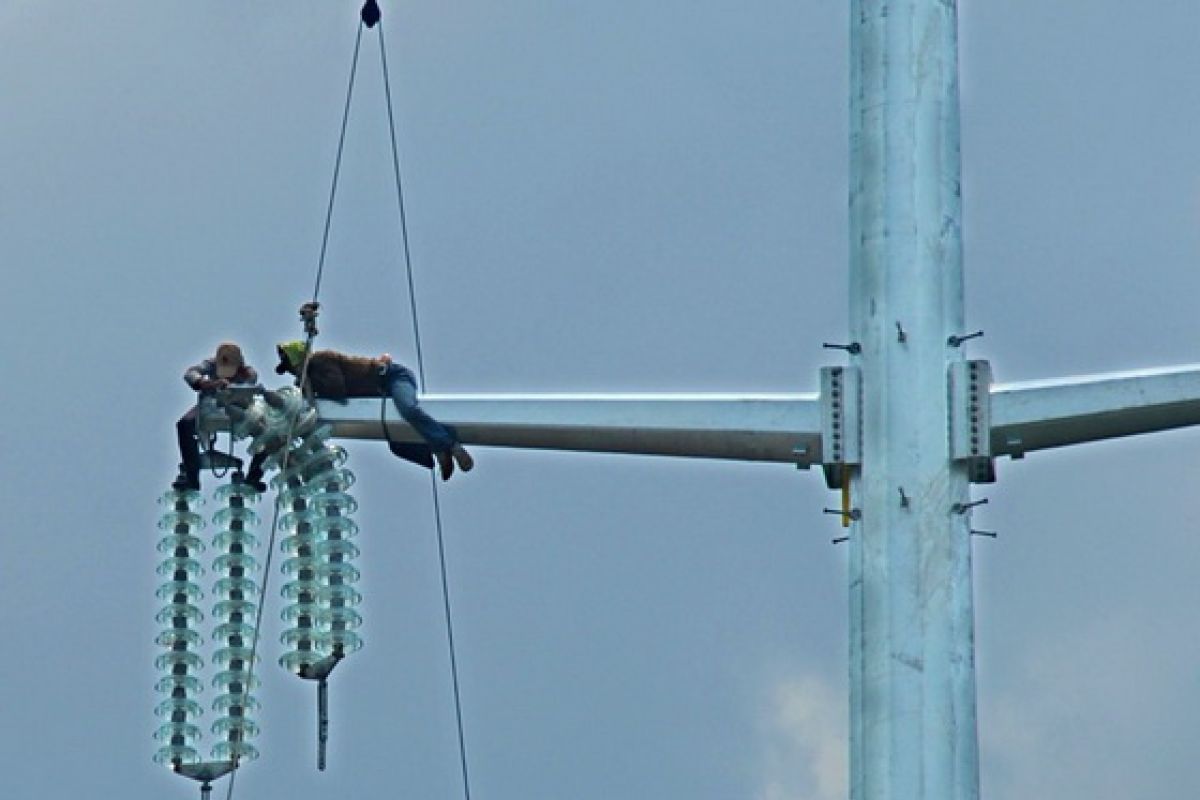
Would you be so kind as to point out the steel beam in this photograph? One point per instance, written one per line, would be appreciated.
(1036, 415)
(767, 427)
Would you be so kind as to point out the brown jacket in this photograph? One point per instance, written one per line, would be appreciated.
(337, 376)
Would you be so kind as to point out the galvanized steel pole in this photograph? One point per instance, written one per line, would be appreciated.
(913, 725)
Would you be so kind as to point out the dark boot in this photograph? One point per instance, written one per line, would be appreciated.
(189, 452)
(446, 462)
(254, 477)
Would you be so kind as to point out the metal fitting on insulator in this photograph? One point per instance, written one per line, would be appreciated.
(308, 315)
(179, 664)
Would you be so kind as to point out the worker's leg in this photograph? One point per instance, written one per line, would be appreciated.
(254, 476)
(403, 390)
(189, 449)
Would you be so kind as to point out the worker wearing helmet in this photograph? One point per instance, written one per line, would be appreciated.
(226, 368)
(336, 376)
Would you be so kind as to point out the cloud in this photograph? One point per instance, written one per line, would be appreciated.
(1070, 719)
(805, 742)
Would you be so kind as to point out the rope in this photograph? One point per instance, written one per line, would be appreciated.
(412, 292)
(337, 164)
(311, 332)
(437, 506)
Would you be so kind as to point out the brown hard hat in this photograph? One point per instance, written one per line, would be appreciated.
(229, 359)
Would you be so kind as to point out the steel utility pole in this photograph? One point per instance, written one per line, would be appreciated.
(906, 425)
(912, 663)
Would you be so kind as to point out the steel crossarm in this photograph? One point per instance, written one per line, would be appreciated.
(1036, 415)
(747, 427)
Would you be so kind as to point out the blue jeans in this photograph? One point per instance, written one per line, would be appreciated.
(401, 384)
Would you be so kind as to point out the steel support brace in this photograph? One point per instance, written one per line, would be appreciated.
(971, 419)
(841, 429)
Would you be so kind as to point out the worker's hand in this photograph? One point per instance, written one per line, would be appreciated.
(218, 383)
(386, 358)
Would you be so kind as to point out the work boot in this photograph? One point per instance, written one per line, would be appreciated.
(255, 474)
(187, 480)
(462, 458)
(446, 461)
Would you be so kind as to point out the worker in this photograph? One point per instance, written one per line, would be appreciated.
(226, 368)
(336, 376)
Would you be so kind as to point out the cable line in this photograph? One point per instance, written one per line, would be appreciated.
(310, 330)
(337, 164)
(370, 16)
(437, 506)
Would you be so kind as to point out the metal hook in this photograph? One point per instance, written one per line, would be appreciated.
(962, 508)
(854, 348)
(957, 339)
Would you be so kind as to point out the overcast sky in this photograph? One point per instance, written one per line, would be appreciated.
(619, 196)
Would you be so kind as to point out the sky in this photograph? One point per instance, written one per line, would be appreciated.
(602, 197)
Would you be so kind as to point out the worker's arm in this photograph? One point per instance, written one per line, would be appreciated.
(197, 377)
(326, 379)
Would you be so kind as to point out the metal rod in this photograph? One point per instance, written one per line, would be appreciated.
(322, 721)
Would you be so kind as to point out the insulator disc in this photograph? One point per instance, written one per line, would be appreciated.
(174, 496)
(295, 564)
(223, 679)
(292, 545)
(186, 610)
(298, 635)
(173, 753)
(172, 704)
(228, 701)
(337, 547)
(345, 594)
(292, 520)
(291, 661)
(224, 539)
(173, 635)
(268, 442)
(348, 617)
(228, 561)
(248, 727)
(292, 590)
(227, 608)
(189, 683)
(174, 564)
(172, 588)
(247, 516)
(228, 629)
(246, 586)
(243, 490)
(294, 611)
(187, 730)
(328, 503)
(170, 519)
(341, 570)
(234, 751)
(169, 544)
(349, 641)
(168, 660)
(227, 655)
(344, 526)
(331, 479)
